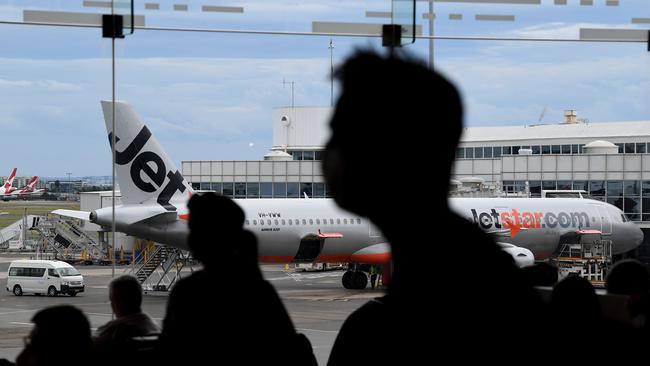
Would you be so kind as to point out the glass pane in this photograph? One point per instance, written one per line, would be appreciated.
(646, 188)
(252, 190)
(460, 153)
(555, 149)
(240, 190)
(546, 149)
(487, 152)
(616, 201)
(580, 185)
(549, 185)
(631, 205)
(293, 190)
(629, 148)
(266, 190)
(632, 188)
(566, 149)
(279, 190)
(319, 190)
(640, 148)
(228, 189)
(478, 152)
(305, 188)
(308, 155)
(536, 149)
(597, 188)
(216, 187)
(614, 188)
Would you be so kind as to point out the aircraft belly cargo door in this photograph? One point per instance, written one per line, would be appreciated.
(605, 221)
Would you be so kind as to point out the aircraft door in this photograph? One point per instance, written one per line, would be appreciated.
(373, 231)
(605, 220)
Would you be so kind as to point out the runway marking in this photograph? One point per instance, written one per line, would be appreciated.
(299, 277)
(18, 311)
(317, 330)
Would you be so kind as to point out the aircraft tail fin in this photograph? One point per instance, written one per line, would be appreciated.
(10, 179)
(30, 186)
(145, 173)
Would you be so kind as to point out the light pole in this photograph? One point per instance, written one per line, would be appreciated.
(331, 47)
(284, 82)
(430, 17)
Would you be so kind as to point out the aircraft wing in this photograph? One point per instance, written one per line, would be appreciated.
(329, 235)
(82, 215)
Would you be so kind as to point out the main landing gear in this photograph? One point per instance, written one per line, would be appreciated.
(354, 279)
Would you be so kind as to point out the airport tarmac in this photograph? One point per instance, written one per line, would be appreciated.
(316, 301)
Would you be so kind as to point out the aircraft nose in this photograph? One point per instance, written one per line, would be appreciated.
(639, 237)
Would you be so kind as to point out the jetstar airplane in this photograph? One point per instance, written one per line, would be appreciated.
(6, 187)
(539, 224)
(30, 188)
(154, 206)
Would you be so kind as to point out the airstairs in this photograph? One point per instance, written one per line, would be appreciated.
(158, 269)
(68, 241)
(12, 237)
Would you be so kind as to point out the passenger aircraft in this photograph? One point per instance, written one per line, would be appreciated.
(155, 195)
(6, 187)
(28, 189)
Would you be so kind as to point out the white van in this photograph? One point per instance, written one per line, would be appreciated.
(44, 277)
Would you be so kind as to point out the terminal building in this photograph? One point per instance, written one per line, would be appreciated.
(611, 161)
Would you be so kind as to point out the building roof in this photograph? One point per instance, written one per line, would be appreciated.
(557, 131)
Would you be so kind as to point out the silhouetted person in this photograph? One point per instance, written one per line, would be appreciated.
(452, 290)
(574, 300)
(630, 277)
(125, 294)
(540, 274)
(227, 312)
(61, 336)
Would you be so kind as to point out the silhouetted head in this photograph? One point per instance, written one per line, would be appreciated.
(575, 298)
(57, 329)
(125, 293)
(628, 277)
(540, 274)
(215, 223)
(394, 117)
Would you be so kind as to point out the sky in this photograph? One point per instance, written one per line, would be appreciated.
(210, 96)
